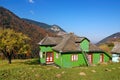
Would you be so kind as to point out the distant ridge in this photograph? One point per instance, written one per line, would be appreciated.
(110, 39)
(43, 25)
(51, 28)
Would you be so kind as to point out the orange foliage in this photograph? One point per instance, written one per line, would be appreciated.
(105, 48)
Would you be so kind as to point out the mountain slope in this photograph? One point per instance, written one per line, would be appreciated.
(43, 25)
(112, 38)
(108, 43)
(10, 20)
(51, 28)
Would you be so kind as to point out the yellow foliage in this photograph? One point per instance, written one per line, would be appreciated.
(13, 42)
(104, 47)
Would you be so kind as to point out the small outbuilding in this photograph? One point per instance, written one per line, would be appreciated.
(116, 52)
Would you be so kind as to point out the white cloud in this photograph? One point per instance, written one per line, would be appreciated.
(31, 1)
(31, 11)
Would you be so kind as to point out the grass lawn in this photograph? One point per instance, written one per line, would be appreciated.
(30, 69)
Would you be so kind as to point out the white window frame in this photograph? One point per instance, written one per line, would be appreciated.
(74, 57)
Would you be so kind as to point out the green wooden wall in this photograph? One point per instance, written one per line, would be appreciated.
(65, 60)
(84, 45)
(46, 48)
(57, 60)
(42, 50)
(106, 57)
(96, 58)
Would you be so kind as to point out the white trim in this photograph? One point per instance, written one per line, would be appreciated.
(41, 54)
(74, 57)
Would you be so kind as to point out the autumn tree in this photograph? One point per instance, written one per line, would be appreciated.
(105, 47)
(12, 42)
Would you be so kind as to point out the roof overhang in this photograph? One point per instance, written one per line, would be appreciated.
(96, 51)
(67, 51)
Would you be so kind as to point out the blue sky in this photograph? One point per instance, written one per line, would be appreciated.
(94, 19)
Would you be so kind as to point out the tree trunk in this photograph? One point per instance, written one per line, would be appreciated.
(9, 59)
(8, 55)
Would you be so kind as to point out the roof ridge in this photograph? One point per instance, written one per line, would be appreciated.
(43, 40)
(66, 41)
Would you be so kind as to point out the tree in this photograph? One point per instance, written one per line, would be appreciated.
(105, 47)
(12, 42)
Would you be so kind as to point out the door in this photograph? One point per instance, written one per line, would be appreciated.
(49, 57)
(90, 58)
(101, 58)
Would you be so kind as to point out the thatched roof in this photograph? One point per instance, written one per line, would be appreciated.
(94, 48)
(56, 40)
(116, 48)
(80, 39)
(77, 39)
(50, 41)
(67, 44)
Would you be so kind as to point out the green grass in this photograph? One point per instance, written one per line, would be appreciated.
(31, 70)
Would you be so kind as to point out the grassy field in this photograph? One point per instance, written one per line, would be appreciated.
(31, 70)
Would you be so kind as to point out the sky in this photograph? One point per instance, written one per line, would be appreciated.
(94, 19)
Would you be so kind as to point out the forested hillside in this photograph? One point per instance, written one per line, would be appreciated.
(12, 21)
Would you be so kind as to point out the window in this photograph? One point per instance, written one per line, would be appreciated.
(43, 54)
(74, 57)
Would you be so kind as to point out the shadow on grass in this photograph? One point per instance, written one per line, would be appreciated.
(32, 62)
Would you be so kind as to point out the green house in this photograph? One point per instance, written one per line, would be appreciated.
(70, 51)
